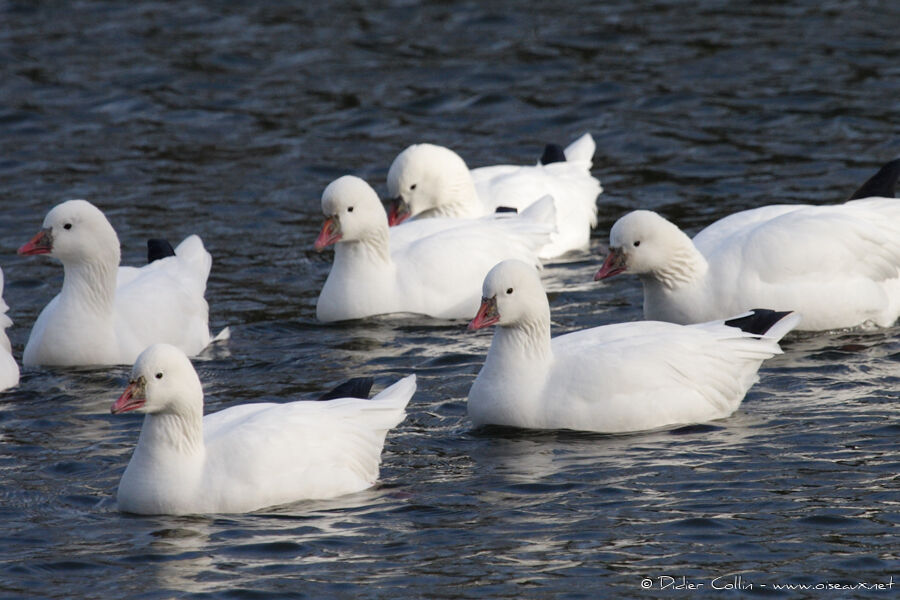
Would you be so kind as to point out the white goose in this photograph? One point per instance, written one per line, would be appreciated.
(250, 456)
(426, 180)
(9, 370)
(839, 266)
(612, 379)
(106, 314)
(379, 270)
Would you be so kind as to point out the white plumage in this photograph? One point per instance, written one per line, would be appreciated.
(379, 270)
(839, 266)
(433, 181)
(250, 456)
(106, 314)
(612, 379)
(9, 369)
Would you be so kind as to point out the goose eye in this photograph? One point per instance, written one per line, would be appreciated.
(159, 375)
(637, 243)
(509, 290)
(67, 226)
(349, 209)
(412, 187)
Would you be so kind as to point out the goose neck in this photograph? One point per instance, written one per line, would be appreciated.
(459, 199)
(180, 433)
(526, 342)
(685, 266)
(374, 248)
(93, 284)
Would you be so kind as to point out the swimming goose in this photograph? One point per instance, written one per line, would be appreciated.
(9, 369)
(379, 270)
(107, 314)
(427, 180)
(249, 456)
(838, 265)
(612, 379)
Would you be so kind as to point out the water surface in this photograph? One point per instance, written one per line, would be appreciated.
(228, 120)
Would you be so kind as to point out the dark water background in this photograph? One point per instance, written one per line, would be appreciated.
(228, 119)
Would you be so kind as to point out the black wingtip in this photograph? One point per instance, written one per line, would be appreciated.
(759, 321)
(882, 184)
(358, 387)
(157, 249)
(553, 153)
(506, 209)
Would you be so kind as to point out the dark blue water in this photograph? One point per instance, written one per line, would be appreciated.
(228, 120)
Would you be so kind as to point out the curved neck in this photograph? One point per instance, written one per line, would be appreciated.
(684, 265)
(525, 342)
(375, 248)
(459, 198)
(92, 284)
(181, 433)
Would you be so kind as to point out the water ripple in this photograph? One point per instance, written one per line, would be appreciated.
(228, 120)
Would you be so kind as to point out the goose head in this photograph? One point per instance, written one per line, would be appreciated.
(352, 212)
(163, 380)
(641, 242)
(512, 294)
(74, 232)
(422, 179)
